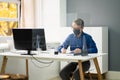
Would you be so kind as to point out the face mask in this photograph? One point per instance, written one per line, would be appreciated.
(76, 31)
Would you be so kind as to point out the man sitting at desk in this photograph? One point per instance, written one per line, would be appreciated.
(75, 41)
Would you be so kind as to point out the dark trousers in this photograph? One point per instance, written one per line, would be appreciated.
(71, 69)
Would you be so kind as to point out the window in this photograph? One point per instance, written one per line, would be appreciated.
(9, 16)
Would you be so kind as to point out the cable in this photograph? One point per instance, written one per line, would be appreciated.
(41, 61)
(49, 63)
(39, 66)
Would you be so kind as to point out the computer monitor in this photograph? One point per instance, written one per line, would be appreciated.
(29, 39)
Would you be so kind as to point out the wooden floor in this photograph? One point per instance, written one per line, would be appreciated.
(57, 78)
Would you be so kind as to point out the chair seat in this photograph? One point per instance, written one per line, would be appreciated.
(3, 77)
(13, 77)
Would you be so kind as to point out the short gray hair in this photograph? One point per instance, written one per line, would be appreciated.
(79, 22)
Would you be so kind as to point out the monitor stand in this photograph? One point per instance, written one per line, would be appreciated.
(28, 53)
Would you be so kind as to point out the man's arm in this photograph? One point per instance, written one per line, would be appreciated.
(91, 45)
(62, 48)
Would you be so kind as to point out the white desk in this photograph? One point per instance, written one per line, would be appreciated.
(60, 57)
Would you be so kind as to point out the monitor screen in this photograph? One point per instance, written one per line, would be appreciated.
(29, 39)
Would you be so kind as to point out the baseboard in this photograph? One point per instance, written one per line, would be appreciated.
(113, 75)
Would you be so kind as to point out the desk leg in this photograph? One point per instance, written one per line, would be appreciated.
(81, 70)
(97, 68)
(4, 65)
(27, 69)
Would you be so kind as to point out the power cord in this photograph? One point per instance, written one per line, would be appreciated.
(49, 63)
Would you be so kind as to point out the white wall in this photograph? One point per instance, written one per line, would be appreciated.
(52, 13)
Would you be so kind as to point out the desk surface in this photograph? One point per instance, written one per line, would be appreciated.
(49, 56)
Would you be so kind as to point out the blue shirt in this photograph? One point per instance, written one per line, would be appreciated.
(77, 42)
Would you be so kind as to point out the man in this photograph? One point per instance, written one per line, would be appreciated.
(75, 41)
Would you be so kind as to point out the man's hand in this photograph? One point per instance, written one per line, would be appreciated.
(77, 50)
(63, 50)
